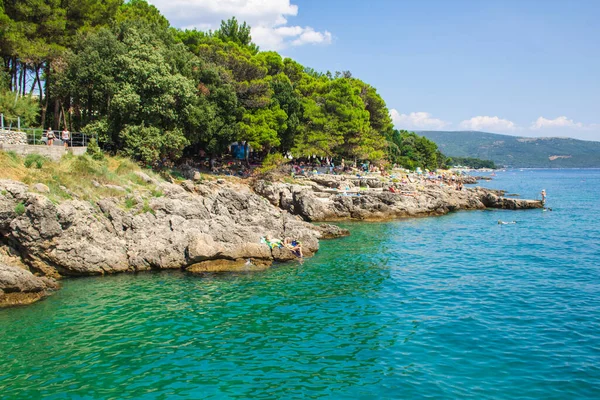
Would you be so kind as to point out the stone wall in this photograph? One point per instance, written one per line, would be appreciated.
(12, 137)
(53, 152)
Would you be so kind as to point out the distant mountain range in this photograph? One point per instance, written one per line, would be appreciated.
(521, 152)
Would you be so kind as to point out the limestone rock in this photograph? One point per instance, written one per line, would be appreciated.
(40, 187)
(240, 265)
(189, 224)
(116, 187)
(144, 177)
(19, 286)
(376, 202)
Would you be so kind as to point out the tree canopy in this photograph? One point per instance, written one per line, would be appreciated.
(118, 69)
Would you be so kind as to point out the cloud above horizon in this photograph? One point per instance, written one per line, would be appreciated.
(268, 20)
(487, 123)
(560, 126)
(416, 120)
(560, 122)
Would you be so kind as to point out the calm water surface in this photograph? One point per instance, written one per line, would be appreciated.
(449, 307)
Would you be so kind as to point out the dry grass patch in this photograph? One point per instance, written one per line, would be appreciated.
(78, 176)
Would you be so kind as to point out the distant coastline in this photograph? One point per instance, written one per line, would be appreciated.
(518, 152)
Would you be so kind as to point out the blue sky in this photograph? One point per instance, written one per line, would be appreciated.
(528, 68)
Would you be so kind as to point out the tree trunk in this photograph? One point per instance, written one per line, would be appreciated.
(60, 117)
(89, 105)
(39, 81)
(22, 77)
(56, 116)
(13, 74)
(68, 104)
(35, 78)
(25, 68)
(45, 106)
(7, 65)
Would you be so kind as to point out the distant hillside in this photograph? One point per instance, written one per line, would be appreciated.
(522, 152)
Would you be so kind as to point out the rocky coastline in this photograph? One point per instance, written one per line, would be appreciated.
(345, 197)
(199, 226)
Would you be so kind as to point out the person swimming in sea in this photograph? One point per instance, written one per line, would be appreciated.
(500, 222)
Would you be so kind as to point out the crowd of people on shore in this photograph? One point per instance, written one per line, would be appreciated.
(315, 166)
(232, 165)
(222, 166)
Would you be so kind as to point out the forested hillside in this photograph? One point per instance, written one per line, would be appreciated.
(521, 152)
(150, 91)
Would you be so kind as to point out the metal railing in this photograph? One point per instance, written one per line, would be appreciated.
(37, 137)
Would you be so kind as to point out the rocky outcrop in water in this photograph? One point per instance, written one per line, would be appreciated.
(188, 224)
(19, 286)
(330, 198)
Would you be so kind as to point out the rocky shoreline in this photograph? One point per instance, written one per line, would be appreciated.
(344, 197)
(198, 226)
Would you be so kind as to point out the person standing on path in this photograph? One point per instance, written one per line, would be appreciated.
(65, 136)
(50, 136)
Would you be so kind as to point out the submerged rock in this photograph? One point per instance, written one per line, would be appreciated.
(19, 286)
(241, 265)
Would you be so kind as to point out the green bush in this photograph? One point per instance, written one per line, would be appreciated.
(93, 150)
(150, 145)
(125, 166)
(22, 106)
(13, 156)
(272, 162)
(34, 160)
(84, 165)
(20, 209)
(147, 209)
(130, 203)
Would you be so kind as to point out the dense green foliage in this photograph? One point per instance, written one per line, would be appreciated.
(519, 152)
(118, 70)
(471, 162)
(411, 150)
(14, 106)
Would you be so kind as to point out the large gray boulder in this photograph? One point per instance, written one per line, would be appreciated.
(19, 286)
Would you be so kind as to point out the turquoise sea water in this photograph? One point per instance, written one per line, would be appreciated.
(448, 307)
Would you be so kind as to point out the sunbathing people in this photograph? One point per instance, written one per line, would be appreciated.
(294, 245)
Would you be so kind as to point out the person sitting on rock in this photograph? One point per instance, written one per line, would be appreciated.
(294, 245)
(272, 243)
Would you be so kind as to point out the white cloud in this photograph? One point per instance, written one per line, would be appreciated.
(309, 35)
(560, 122)
(267, 18)
(416, 120)
(487, 123)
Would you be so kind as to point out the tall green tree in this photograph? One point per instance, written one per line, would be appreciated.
(232, 31)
